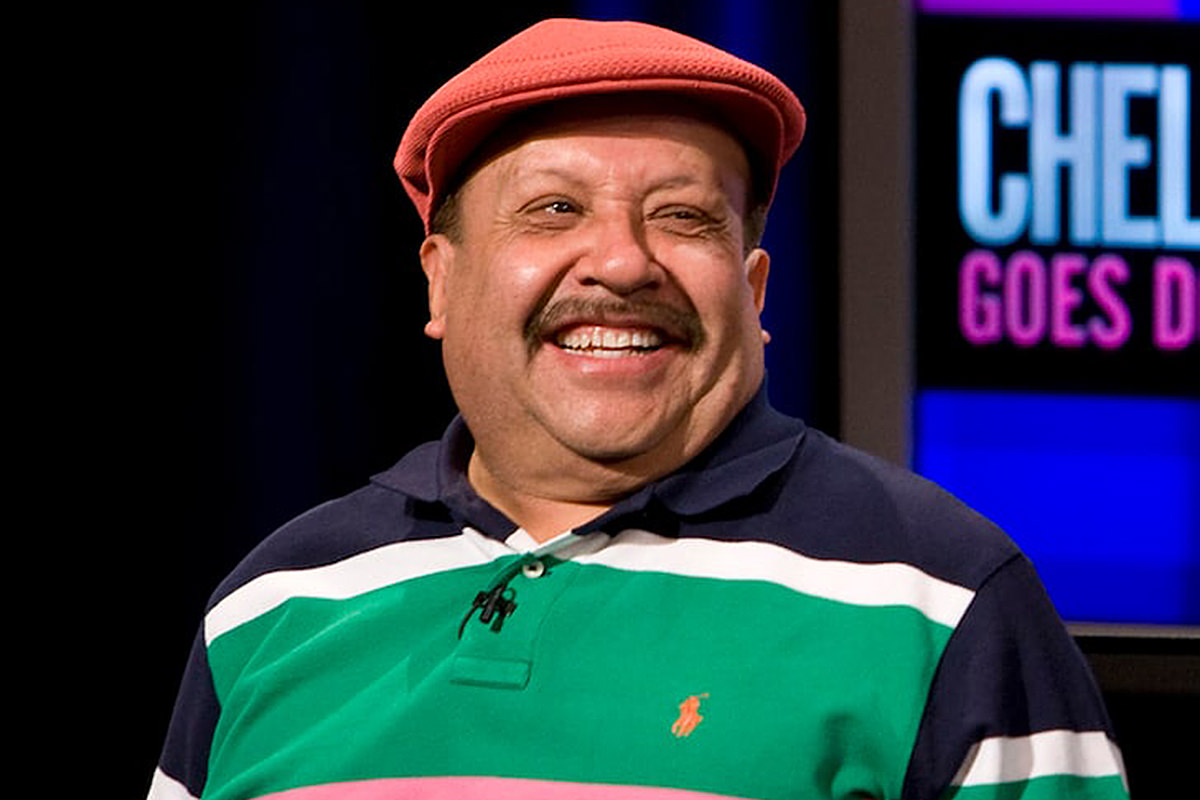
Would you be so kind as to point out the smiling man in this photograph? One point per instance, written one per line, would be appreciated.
(620, 573)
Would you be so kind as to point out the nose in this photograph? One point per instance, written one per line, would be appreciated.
(619, 256)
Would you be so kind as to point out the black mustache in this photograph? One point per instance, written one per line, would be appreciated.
(680, 324)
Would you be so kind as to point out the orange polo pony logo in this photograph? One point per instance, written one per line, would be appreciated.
(689, 716)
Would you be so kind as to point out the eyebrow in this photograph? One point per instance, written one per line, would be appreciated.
(681, 180)
(519, 177)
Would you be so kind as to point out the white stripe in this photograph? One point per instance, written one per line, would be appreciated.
(884, 584)
(1004, 759)
(164, 787)
(350, 577)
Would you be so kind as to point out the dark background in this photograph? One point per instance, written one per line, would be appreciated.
(225, 308)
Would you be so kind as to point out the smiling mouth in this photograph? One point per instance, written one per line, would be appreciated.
(608, 328)
(606, 342)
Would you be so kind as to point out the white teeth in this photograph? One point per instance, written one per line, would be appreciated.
(613, 339)
(644, 339)
(602, 341)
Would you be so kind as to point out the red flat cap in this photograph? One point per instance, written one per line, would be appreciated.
(563, 58)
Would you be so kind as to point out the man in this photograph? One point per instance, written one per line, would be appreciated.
(620, 572)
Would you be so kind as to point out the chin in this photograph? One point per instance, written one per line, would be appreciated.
(607, 453)
(614, 440)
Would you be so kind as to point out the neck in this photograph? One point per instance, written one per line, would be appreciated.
(542, 517)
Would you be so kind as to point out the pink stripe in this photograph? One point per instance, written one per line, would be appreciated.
(465, 788)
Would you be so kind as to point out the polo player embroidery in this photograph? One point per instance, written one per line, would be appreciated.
(689, 716)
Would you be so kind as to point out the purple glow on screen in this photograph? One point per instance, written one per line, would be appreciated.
(1148, 9)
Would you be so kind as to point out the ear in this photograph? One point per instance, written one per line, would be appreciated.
(758, 264)
(437, 253)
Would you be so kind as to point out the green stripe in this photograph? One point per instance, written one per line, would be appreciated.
(1052, 787)
(806, 697)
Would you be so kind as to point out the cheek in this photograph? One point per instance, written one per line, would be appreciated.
(526, 281)
(487, 307)
(723, 298)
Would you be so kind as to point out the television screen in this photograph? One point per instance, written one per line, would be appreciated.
(1057, 253)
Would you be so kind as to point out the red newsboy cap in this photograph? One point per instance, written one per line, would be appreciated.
(562, 58)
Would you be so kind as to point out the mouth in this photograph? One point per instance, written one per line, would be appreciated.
(601, 341)
(614, 329)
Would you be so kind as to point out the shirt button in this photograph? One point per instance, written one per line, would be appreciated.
(534, 569)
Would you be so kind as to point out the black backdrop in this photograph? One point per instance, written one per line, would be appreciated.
(233, 307)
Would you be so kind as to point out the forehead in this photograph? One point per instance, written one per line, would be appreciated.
(664, 136)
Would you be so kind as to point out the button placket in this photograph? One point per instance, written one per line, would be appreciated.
(503, 658)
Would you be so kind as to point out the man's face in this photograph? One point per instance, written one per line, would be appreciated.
(598, 306)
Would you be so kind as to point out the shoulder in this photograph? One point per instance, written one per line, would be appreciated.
(372, 516)
(847, 504)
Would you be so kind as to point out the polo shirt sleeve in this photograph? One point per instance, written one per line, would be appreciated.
(183, 765)
(1013, 711)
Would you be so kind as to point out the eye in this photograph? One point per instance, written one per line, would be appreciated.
(682, 213)
(551, 213)
(559, 207)
(685, 219)
(552, 206)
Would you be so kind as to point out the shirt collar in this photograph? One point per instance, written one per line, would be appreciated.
(756, 444)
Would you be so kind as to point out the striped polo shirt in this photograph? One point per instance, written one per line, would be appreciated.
(783, 617)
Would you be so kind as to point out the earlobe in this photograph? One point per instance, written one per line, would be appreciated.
(436, 254)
